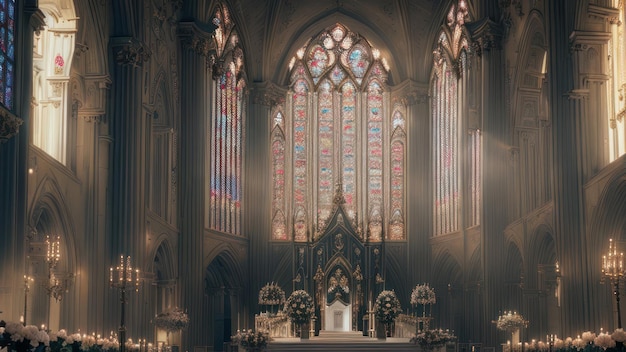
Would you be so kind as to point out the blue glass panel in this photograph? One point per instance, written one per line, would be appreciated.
(11, 9)
(2, 16)
(9, 74)
(3, 4)
(8, 98)
(3, 47)
(11, 49)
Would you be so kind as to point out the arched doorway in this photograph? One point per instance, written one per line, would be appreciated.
(223, 288)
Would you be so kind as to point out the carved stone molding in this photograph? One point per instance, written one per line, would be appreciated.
(609, 14)
(583, 40)
(9, 125)
(267, 94)
(80, 49)
(129, 51)
(486, 35)
(411, 92)
(197, 37)
(578, 94)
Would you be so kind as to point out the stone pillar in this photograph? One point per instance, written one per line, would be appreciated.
(93, 169)
(418, 216)
(487, 35)
(566, 108)
(196, 98)
(263, 97)
(128, 129)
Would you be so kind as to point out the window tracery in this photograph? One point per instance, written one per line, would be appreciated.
(450, 117)
(339, 138)
(226, 128)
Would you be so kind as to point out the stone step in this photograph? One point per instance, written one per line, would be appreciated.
(331, 341)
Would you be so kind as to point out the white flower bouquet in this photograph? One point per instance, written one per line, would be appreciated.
(251, 339)
(387, 307)
(430, 339)
(271, 294)
(511, 321)
(299, 307)
(172, 320)
(423, 294)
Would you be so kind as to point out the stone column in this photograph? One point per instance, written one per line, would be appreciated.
(263, 97)
(128, 163)
(196, 99)
(566, 108)
(487, 35)
(93, 169)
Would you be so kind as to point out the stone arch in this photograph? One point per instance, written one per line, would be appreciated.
(447, 278)
(50, 216)
(606, 221)
(224, 288)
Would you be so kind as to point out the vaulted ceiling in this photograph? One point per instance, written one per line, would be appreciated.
(273, 30)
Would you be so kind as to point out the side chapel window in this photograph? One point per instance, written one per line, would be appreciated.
(337, 133)
(449, 90)
(53, 50)
(226, 125)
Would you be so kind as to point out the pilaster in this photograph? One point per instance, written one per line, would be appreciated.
(128, 130)
(566, 99)
(487, 36)
(197, 92)
(265, 99)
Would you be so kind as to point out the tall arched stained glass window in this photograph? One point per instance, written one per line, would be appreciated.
(396, 173)
(7, 52)
(339, 140)
(279, 231)
(449, 113)
(226, 130)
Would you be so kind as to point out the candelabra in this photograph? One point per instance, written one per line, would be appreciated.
(27, 281)
(123, 277)
(613, 270)
(55, 287)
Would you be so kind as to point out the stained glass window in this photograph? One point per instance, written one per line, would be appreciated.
(325, 136)
(7, 52)
(396, 173)
(341, 135)
(449, 119)
(226, 135)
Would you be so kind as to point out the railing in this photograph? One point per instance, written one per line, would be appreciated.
(277, 325)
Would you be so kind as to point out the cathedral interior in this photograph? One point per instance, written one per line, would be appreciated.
(341, 147)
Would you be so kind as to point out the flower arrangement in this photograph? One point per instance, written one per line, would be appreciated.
(423, 294)
(251, 339)
(586, 342)
(430, 339)
(271, 294)
(29, 338)
(299, 307)
(511, 321)
(387, 307)
(172, 320)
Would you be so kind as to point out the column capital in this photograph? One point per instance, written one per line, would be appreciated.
(9, 125)
(267, 93)
(583, 40)
(486, 35)
(411, 92)
(197, 36)
(129, 51)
